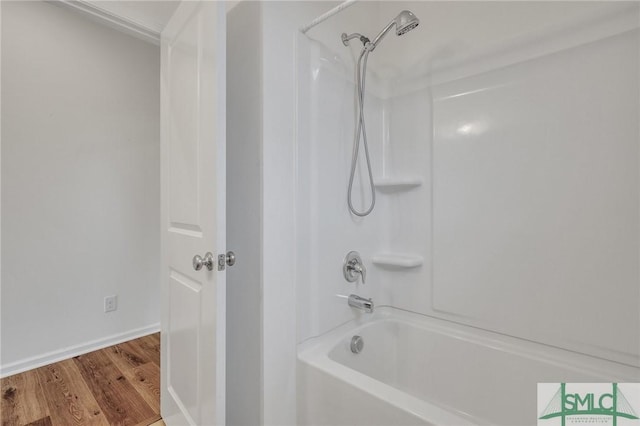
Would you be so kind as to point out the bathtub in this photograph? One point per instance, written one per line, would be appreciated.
(418, 370)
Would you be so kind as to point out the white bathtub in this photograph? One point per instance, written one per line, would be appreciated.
(417, 370)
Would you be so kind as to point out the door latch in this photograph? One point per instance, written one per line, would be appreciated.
(224, 260)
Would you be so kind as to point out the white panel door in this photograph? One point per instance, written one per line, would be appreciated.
(193, 214)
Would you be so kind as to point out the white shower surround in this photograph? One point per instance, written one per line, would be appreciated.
(496, 243)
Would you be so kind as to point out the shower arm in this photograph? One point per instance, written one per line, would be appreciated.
(346, 37)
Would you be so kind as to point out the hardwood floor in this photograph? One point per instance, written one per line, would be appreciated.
(118, 385)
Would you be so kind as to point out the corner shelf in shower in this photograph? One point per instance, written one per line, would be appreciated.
(397, 184)
(397, 260)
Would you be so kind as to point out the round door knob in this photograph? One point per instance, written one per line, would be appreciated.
(231, 258)
(199, 261)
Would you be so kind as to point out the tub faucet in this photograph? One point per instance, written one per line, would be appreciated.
(356, 301)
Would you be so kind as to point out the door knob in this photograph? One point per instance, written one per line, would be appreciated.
(199, 261)
(231, 258)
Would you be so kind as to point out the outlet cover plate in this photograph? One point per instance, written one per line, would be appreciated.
(110, 303)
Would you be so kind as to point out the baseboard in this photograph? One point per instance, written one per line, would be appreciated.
(71, 351)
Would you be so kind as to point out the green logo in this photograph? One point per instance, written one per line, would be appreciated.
(564, 404)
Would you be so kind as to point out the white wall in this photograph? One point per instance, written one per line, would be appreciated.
(327, 230)
(526, 145)
(244, 207)
(270, 162)
(280, 25)
(80, 184)
(452, 31)
(303, 233)
(548, 235)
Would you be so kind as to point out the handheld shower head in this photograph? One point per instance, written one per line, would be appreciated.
(404, 22)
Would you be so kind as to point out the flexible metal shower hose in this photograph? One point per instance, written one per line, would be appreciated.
(361, 128)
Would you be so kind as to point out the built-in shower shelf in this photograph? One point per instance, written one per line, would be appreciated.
(395, 184)
(398, 260)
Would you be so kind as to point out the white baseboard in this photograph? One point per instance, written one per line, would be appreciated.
(71, 351)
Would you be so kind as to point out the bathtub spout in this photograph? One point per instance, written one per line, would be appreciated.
(356, 301)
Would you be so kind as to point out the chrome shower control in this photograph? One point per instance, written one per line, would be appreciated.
(353, 267)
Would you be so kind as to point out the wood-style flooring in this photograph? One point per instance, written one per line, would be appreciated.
(118, 385)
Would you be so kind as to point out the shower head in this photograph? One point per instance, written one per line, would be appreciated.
(404, 22)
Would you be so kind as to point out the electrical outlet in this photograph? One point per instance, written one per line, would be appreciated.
(110, 303)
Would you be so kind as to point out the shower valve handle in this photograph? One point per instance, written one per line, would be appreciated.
(353, 267)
